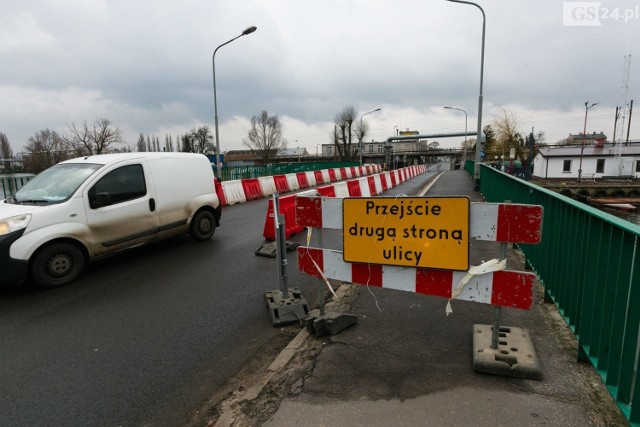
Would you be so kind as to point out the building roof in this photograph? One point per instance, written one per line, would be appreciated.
(588, 136)
(292, 152)
(236, 155)
(589, 150)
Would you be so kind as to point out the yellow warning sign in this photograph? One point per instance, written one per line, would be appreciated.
(423, 232)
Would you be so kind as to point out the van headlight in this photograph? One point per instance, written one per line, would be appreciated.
(14, 223)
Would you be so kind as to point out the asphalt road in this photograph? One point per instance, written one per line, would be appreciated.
(146, 336)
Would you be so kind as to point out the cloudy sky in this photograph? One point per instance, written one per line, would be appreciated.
(147, 65)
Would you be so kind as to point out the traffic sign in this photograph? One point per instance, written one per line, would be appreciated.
(422, 232)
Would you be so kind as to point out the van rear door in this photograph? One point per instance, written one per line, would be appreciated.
(121, 207)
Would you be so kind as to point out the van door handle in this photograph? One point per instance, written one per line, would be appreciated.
(152, 204)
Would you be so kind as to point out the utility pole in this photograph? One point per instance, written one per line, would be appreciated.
(584, 135)
(623, 108)
(629, 122)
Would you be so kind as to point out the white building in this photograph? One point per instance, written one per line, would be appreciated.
(598, 161)
(373, 147)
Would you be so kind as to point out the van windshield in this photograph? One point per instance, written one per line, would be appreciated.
(55, 184)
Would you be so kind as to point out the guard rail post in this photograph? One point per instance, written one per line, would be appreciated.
(286, 305)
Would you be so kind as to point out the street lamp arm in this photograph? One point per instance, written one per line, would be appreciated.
(248, 30)
(244, 33)
(476, 174)
(468, 2)
(224, 44)
(372, 111)
(484, 22)
(361, 135)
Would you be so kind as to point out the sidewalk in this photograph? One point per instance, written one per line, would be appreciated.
(405, 363)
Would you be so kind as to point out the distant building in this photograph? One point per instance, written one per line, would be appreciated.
(293, 152)
(377, 147)
(369, 148)
(241, 158)
(253, 157)
(598, 161)
(589, 139)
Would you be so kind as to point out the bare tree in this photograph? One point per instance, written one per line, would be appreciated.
(508, 137)
(168, 143)
(362, 128)
(198, 140)
(44, 149)
(141, 145)
(94, 139)
(265, 136)
(342, 134)
(5, 147)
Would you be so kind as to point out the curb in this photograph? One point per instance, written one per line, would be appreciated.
(231, 408)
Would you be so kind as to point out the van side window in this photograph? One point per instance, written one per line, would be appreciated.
(119, 185)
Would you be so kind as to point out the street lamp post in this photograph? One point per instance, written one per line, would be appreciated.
(249, 30)
(361, 135)
(584, 134)
(476, 174)
(464, 152)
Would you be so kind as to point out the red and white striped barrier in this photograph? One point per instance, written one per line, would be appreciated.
(268, 185)
(242, 190)
(496, 222)
(499, 222)
(377, 183)
(504, 288)
(326, 176)
(292, 180)
(311, 178)
(233, 191)
(365, 186)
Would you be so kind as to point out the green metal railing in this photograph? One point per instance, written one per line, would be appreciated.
(469, 166)
(241, 172)
(589, 263)
(11, 183)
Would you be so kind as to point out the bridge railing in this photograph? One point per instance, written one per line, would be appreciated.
(10, 183)
(589, 263)
(256, 171)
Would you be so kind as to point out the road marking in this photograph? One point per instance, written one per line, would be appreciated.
(428, 186)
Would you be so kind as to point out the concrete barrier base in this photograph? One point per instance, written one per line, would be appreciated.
(514, 357)
(284, 311)
(268, 250)
(330, 323)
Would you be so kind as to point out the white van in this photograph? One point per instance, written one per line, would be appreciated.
(89, 207)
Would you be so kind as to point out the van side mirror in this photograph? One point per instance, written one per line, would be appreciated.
(100, 200)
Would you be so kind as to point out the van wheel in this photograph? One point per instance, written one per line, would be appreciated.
(57, 264)
(203, 225)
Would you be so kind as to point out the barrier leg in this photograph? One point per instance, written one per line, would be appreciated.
(320, 281)
(497, 310)
(504, 350)
(319, 322)
(285, 305)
